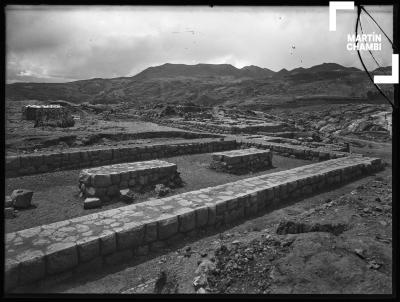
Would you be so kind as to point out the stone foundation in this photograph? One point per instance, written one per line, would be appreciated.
(241, 161)
(48, 162)
(106, 181)
(82, 243)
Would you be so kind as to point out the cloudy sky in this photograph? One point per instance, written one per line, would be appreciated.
(60, 43)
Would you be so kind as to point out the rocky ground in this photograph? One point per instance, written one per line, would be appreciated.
(338, 241)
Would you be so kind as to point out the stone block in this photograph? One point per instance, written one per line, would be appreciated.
(88, 249)
(201, 216)
(92, 203)
(129, 237)
(115, 178)
(21, 198)
(32, 269)
(101, 180)
(11, 274)
(113, 190)
(187, 222)
(62, 260)
(108, 244)
(212, 214)
(167, 227)
(151, 232)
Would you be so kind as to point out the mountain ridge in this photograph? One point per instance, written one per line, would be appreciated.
(223, 83)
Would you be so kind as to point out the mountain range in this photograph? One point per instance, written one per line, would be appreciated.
(208, 84)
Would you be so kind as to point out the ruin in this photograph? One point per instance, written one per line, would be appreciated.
(30, 112)
(105, 182)
(48, 115)
(241, 161)
(94, 240)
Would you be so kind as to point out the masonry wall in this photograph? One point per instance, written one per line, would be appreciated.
(41, 163)
(88, 242)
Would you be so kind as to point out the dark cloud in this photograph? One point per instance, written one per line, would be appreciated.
(56, 44)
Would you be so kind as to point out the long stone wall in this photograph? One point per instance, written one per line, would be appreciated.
(103, 238)
(41, 163)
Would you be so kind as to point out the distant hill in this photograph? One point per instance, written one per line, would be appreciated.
(206, 84)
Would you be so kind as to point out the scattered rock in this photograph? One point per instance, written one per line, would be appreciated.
(91, 203)
(373, 264)
(22, 198)
(360, 253)
(205, 267)
(162, 190)
(293, 227)
(201, 290)
(127, 195)
(200, 281)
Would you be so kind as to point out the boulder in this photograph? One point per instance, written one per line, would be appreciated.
(21, 198)
(91, 203)
(127, 195)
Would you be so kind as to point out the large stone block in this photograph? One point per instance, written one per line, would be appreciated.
(151, 232)
(92, 203)
(108, 243)
(187, 222)
(11, 274)
(32, 269)
(201, 216)
(167, 227)
(88, 249)
(62, 259)
(101, 180)
(21, 198)
(129, 237)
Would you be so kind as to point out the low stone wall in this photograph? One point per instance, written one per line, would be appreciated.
(225, 129)
(88, 242)
(288, 150)
(49, 162)
(241, 161)
(105, 182)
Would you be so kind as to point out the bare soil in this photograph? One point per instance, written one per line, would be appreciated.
(56, 195)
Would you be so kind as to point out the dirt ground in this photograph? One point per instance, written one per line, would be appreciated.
(61, 200)
(353, 255)
(335, 242)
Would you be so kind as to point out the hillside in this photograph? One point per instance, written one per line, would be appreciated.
(208, 83)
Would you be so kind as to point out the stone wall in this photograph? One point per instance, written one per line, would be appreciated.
(49, 162)
(241, 161)
(212, 127)
(296, 151)
(41, 163)
(88, 242)
(105, 182)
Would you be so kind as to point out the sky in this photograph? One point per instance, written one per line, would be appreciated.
(67, 43)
